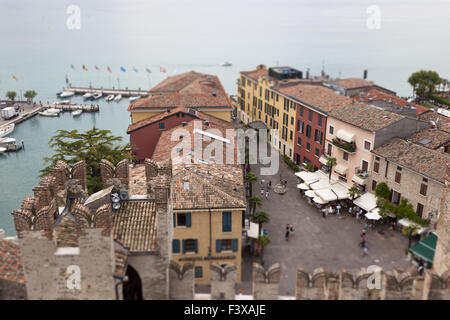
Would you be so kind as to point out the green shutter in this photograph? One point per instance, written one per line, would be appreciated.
(184, 246)
(175, 246)
(188, 219)
(226, 221)
(235, 245)
(218, 246)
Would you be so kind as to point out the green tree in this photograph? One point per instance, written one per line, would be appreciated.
(410, 231)
(253, 202)
(250, 178)
(261, 217)
(425, 82)
(92, 146)
(30, 94)
(310, 167)
(263, 241)
(354, 192)
(331, 162)
(11, 95)
(382, 191)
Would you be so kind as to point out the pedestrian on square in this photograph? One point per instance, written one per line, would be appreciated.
(365, 251)
(291, 229)
(288, 230)
(270, 183)
(262, 182)
(330, 210)
(262, 192)
(267, 194)
(324, 212)
(365, 226)
(338, 209)
(350, 210)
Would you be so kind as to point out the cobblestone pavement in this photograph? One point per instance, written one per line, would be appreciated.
(332, 243)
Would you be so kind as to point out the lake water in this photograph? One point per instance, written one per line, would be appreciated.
(37, 47)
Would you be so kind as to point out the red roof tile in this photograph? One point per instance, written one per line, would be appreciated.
(10, 263)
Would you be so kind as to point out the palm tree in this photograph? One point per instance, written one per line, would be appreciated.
(331, 162)
(250, 179)
(260, 217)
(354, 192)
(253, 202)
(410, 231)
(263, 241)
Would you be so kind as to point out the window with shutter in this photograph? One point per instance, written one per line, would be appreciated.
(218, 246)
(175, 246)
(226, 221)
(423, 189)
(235, 245)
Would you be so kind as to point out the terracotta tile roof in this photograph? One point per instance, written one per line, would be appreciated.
(366, 117)
(10, 263)
(156, 118)
(443, 121)
(214, 186)
(431, 138)
(256, 74)
(351, 83)
(189, 89)
(165, 145)
(316, 96)
(376, 95)
(428, 162)
(134, 225)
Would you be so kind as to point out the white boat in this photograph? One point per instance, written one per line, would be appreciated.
(118, 97)
(77, 113)
(132, 98)
(2, 150)
(4, 141)
(6, 129)
(52, 112)
(96, 96)
(227, 64)
(110, 97)
(88, 95)
(66, 94)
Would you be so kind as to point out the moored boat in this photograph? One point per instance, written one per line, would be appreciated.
(66, 94)
(118, 97)
(88, 95)
(77, 113)
(110, 97)
(2, 150)
(52, 112)
(96, 96)
(132, 98)
(227, 64)
(6, 129)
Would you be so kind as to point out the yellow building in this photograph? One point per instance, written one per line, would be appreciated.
(201, 92)
(260, 100)
(208, 209)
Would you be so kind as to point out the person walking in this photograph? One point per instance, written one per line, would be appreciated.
(324, 213)
(338, 209)
(363, 240)
(291, 229)
(365, 251)
(267, 194)
(262, 192)
(262, 182)
(270, 183)
(288, 230)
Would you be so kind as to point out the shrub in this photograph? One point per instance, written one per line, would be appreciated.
(291, 164)
(441, 100)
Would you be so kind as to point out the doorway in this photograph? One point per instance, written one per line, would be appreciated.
(132, 289)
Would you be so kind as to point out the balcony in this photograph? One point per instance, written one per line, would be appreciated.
(347, 146)
(361, 176)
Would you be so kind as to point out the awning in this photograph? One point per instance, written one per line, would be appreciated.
(302, 186)
(321, 184)
(323, 160)
(341, 169)
(359, 180)
(367, 201)
(406, 223)
(373, 214)
(340, 190)
(319, 200)
(425, 248)
(310, 194)
(345, 135)
(326, 194)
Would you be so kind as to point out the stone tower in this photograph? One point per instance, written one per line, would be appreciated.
(442, 256)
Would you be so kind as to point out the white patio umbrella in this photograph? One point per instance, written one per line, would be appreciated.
(310, 194)
(319, 200)
(302, 186)
(373, 215)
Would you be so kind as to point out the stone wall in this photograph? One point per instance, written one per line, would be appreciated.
(11, 290)
(181, 281)
(266, 283)
(223, 281)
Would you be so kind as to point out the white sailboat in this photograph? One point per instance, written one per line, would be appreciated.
(118, 97)
(52, 112)
(88, 95)
(77, 113)
(6, 129)
(96, 96)
(110, 97)
(132, 98)
(2, 150)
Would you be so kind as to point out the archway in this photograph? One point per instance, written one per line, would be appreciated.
(132, 289)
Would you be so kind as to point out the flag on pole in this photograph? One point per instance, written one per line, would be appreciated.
(161, 69)
(123, 69)
(96, 68)
(135, 70)
(14, 78)
(109, 69)
(148, 70)
(72, 66)
(85, 68)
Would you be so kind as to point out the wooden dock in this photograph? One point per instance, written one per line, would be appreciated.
(71, 107)
(124, 92)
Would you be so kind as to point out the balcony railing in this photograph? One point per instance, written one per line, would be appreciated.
(349, 147)
(361, 173)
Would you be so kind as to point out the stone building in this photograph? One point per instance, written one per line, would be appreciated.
(413, 172)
